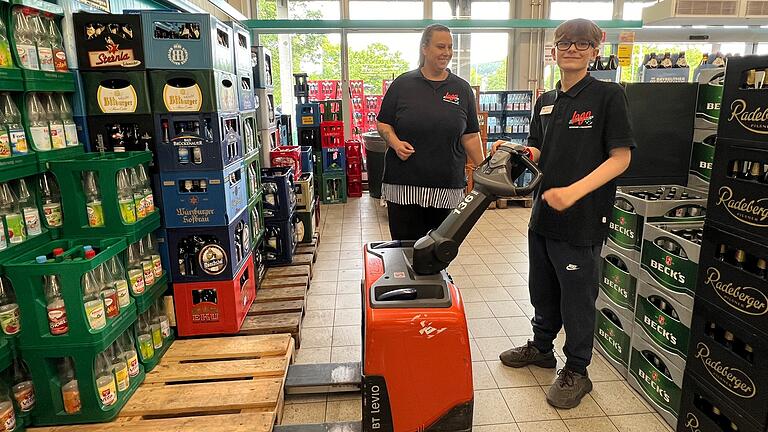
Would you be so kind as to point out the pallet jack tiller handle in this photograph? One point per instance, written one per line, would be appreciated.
(494, 178)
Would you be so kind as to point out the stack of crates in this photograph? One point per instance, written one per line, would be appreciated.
(333, 165)
(261, 64)
(281, 236)
(705, 131)
(354, 168)
(309, 115)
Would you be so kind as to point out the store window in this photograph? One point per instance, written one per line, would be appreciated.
(385, 10)
(594, 10)
(480, 10)
(314, 9)
(488, 67)
(634, 10)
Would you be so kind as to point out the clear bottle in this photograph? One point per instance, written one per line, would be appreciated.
(92, 302)
(13, 124)
(25, 45)
(117, 273)
(23, 388)
(135, 270)
(7, 413)
(44, 51)
(162, 313)
(70, 128)
(14, 221)
(5, 140)
(125, 197)
(128, 347)
(119, 367)
(139, 200)
(55, 122)
(105, 380)
(57, 312)
(6, 59)
(146, 263)
(50, 198)
(29, 210)
(146, 186)
(9, 309)
(57, 44)
(37, 120)
(156, 327)
(70, 392)
(151, 249)
(93, 199)
(108, 292)
(146, 346)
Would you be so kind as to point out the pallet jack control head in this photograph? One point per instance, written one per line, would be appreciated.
(494, 178)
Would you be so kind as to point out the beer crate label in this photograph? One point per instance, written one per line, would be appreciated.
(666, 332)
(721, 371)
(183, 99)
(618, 285)
(670, 271)
(117, 101)
(624, 229)
(702, 157)
(710, 97)
(659, 388)
(614, 340)
(744, 299)
(747, 210)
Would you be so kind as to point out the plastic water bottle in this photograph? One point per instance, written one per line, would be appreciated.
(125, 197)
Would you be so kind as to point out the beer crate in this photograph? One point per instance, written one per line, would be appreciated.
(261, 62)
(613, 334)
(334, 160)
(664, 322)
(630, 213)
(305, 192)
(736, 200)
(78, 97)
(245, 97)
(666, 75)
(279, 193)
(731, 357)
(108, 42)
(656, 378)
(219, 255)
(265, 108)
(618, 281)
(285, 127)
(127, 132)
(204, 198)
(309, 137)
(215, 307)
(354, 166)
(308, 115)
(354, 186)
(305, 227)
(742, 103)
(187, 41)
(704, 409)
(287, 157)
(256, 215)
(732, 280)
(702, 157)
(334, 188)
(332, 134)
(253, 177)
(198, 142)
(331, 110)
(193, 91)
(670, 260)
(280, 240)
(117, 92)
(242, 45)
(307, 159)
(709, 99)
(250, 136)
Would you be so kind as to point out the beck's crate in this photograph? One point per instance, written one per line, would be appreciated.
(334, 160)
(193, 91)
(117, 92)
(279, 194)
(741, 101)
(209, 253)
(630, 213)
(215, 307)
(308, 115)
(261, 61)
(732, 276)
(334, 188)
(710, 98)
(192, 142)
(305, 192)
(288, 157)
(280, 240)
(109, 42)
(663, 321)
(613, 334)
(110, 133)
(305, 227)
(246, 98)
(703, 408)
(187, 41)
(738, 188)
(618, 279)
(242, 45)
(204, 198)
(332, 134)
(702, 157)
(656, 378)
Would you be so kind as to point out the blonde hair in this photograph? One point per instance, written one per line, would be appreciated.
(426, 38)
(579, 29)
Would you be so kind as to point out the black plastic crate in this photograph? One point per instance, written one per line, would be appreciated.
(279, 196)
(280, 241)
(741, 110)
(703, 409)
(206, 141)
(108, 42)
(134, 132)
(310, 137)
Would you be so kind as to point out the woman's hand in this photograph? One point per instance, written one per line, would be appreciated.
(403, 149)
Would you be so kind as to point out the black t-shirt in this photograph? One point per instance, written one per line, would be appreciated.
(432, 116)
(575, 131)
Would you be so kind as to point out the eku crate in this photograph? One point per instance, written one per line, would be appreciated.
(204, 141)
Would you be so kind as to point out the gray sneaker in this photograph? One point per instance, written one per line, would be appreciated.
(568, 389)
(527, 355)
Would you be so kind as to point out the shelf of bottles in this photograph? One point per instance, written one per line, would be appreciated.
(605, 70)
(509, 115)
(665, 68)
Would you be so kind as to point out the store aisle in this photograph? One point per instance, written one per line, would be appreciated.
(492, 272)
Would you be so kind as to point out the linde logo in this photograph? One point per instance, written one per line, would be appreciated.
(608, 337)
(615, 286)
(654, 385)
(732, 379)
(755, 120)
(692, 423)
(750, 212)
(674, 274)
(658, 327)
(745, 299)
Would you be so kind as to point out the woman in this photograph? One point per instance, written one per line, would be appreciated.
(429, 120)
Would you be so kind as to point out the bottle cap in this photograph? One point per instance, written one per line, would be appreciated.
(58, 251)
(41, 259)
(87, 248)
(90, 254)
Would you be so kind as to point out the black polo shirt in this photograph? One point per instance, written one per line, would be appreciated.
(575, 131)
(432, 116)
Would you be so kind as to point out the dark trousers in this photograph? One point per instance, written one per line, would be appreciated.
(412, 222)
(563, 282)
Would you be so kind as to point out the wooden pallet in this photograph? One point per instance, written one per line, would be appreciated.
(310, 248)
(526, 202)
(214, 384)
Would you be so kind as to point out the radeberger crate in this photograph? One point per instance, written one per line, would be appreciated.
(704, 409)
(664, 322)
(670, 258)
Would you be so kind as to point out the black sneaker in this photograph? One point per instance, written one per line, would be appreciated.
(568, 389)
(528, 355)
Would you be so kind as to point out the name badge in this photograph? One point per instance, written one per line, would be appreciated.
(546, 110)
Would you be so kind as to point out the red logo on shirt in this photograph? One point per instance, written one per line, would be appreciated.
(451, 97)
(581, 120)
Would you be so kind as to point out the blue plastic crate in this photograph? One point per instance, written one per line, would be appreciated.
(245, 96)
(78, 97)
(203, 198)
(279, 196)
(198, 142)
(334, 160)
(280, 241)
(308, 115)
(307, 159)
(242, 47)
(81, 122)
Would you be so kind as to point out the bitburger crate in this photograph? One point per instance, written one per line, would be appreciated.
(193, 91)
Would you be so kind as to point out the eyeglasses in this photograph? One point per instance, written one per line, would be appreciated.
(565, 45)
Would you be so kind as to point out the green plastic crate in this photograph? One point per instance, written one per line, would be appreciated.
(149, 364)
(69, 174)
(26, 276)
(252, 192)
(307, 219)
(18, 166)
(257, 223)
(144, 301)
(6, 353)
(334, 188)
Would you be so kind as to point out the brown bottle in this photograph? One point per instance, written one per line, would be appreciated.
(755, 171)
(761, 266)
(741, 258)
(734, 169)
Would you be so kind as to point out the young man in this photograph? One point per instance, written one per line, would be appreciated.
(582, 140)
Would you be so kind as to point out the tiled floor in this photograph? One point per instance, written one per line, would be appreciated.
(491, 271)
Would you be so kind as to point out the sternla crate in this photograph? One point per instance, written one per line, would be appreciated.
(656, 378)
(613, 334)
(108, 42)
(618, 280)
(671, 261)
(664, 322)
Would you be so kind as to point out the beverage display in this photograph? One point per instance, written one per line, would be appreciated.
(50, 198)
(55, 121)
(23, 388)
(37, 121)
(119, 367)
(147, 263)
(144, 335)
(9, 210)
(108, 291)
(125, 197)
(152, 254)
(117, 273)
(105, 380)
(40, 37)
(128, 348)
(23, 35)
(146, 188)
(93, 303)
(139, 197)
(57, 313)
(67, 117)
(135, 269)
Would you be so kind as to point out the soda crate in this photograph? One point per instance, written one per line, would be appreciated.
(204, 198)
(50, 407)
(334, 188)
(702, 157)
(279, 193)
(710, 98)
(151, 358)
(117, 92)
(193, 91)
(739, 188)
(741, 101)
(308, 115)
(103, 216)
(245, 97)
(704, 409)
(670, 258)
(256, 214)
(728, 356)
(280, 240)
(212, 253)
(331, 110)
(215, 307)
(355, 186)
(187, 41)
(108, 42)
(334, 160)
(664, 322)
(49, 143)
(198, 142)
(250, 135)
(242, 45)
(332, 134)
(261, 62)
(636, 205)
(288, 157)
(354, 149)
(306, 226)
(253, 176)
(656, 378)
(618, 279)
(613, 334)
(265, 109)
(307, 159)
(730, 276)
(305, 192)
(309, 137)
(354, 167)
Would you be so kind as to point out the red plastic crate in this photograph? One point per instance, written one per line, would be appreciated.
(332, 134)
(353, 148)
(219, 307)
(354, 186)
(356, 88)
(287, 156)
(373, 102)
(354, 167)
(314, 91)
